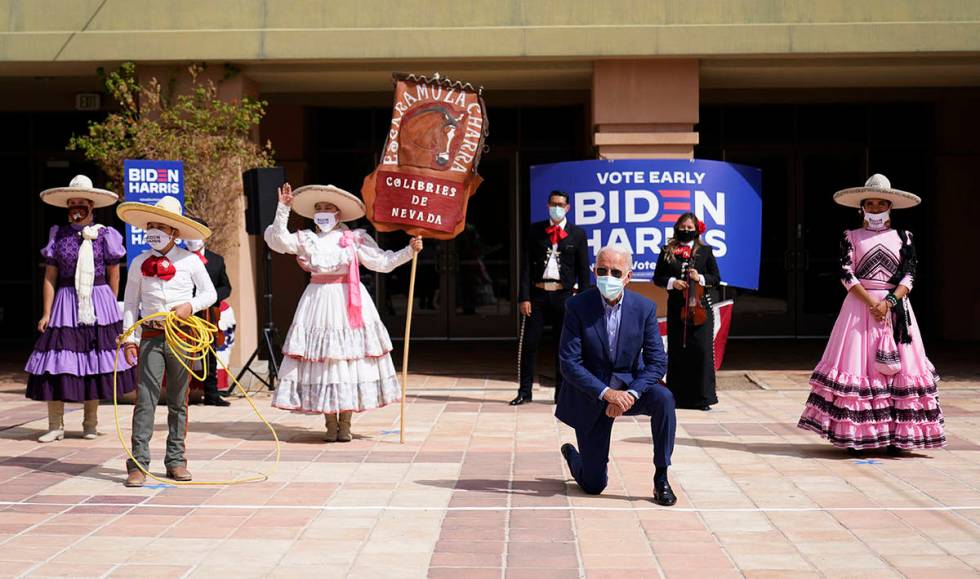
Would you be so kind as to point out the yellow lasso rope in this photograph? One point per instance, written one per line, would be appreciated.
(190, 341)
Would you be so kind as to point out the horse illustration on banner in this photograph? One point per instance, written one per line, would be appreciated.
(428, 136)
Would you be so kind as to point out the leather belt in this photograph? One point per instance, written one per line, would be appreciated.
(549, 286)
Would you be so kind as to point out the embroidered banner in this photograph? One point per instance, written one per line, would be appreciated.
(428, 167)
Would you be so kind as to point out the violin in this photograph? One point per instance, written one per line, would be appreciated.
(694, 308)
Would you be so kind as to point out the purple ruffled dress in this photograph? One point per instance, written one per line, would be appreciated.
(73, 362)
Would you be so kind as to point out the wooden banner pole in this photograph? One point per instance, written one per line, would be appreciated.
(408, 334)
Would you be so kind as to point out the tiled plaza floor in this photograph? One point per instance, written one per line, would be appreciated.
(480, 490)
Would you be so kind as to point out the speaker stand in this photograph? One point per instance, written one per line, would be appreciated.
(269, 335)
(265, 346)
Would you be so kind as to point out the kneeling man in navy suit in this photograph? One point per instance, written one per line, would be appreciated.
(612, 357)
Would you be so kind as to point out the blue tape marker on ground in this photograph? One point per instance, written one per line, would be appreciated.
(867, 461)
(160, 486)
(395, 431)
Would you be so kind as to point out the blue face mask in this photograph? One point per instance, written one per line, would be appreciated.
(610, 287)
(556, 213)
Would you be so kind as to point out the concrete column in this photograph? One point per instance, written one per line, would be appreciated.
(240, 260)
(645, 109)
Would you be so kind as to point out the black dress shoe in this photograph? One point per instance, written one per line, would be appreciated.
(892, 450)
(663, 495)
(521, 399)
(567, 451)
(216, 402)
(705, 408)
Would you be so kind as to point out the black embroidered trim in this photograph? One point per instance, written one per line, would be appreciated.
(883, 439)
(821, 379)
(887, 357)
(846, 250)
(874, 415)
(908, 259)
(878, 259)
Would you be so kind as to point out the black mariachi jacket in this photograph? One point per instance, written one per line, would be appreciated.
(703, 261)
(219, 277)
(573, 263)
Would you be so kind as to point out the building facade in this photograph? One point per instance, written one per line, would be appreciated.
(819, 94)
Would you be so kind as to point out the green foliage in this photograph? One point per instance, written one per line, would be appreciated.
(190, 123)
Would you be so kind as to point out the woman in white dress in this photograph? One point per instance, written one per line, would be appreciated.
(337, 352)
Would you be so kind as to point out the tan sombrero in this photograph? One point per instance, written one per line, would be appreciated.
(167, 211)
(305, 199)
(877, 187)
(79, 188)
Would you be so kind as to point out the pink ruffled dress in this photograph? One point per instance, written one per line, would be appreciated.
(852, 404)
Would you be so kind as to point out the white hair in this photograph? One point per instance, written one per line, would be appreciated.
(618, 249)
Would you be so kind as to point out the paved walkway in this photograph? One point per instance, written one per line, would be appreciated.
(480, 490)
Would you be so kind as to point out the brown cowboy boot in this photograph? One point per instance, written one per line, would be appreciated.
(135, 479)
(179, 473)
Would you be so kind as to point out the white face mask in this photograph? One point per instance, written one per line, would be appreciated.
(325, 221)
(194, 245)
(877, 221)
(157, 239)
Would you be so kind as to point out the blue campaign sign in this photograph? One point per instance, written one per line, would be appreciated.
(147, 182)
(636, 202)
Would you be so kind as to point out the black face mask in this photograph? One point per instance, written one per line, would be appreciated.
(685, 236)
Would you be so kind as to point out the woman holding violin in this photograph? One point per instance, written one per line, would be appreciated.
(688, 270)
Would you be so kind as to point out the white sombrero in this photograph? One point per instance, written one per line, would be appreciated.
(79, 188)
(167, 211)
(877, 187)
(306, 197)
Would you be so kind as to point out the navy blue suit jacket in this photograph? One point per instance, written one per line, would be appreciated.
(640, 361)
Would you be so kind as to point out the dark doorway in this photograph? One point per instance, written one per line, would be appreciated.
(33, 158)
(806, 153)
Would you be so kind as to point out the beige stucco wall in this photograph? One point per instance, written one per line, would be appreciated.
(154, 30)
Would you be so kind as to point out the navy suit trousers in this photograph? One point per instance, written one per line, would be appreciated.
(589, 466)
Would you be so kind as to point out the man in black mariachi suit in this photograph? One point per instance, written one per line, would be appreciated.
(555, 259)
(215, 266)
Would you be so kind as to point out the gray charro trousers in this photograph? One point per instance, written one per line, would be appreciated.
(156, 358)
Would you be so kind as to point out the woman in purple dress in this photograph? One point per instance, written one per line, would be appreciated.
(73, 359)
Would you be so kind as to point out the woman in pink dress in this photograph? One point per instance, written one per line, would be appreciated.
(874, 386)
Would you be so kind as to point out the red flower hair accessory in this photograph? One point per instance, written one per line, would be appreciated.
(701, 228)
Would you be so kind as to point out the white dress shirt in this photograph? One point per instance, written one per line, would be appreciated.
(551, 271)
(670, 281)
(150, 295)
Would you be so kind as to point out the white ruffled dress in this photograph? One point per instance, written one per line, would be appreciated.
(330, 366)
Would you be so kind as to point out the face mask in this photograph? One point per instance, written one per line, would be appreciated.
(556, 213)
(194, 245)
(685, 235)
(325, 221)
(610, 287)
(876, 221)
(77, 213)
(157, 239)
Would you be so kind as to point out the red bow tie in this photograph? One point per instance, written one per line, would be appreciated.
(159, 266)
(556, 233)
(201, 255)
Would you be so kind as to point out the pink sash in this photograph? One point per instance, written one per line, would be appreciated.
(353, 282)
